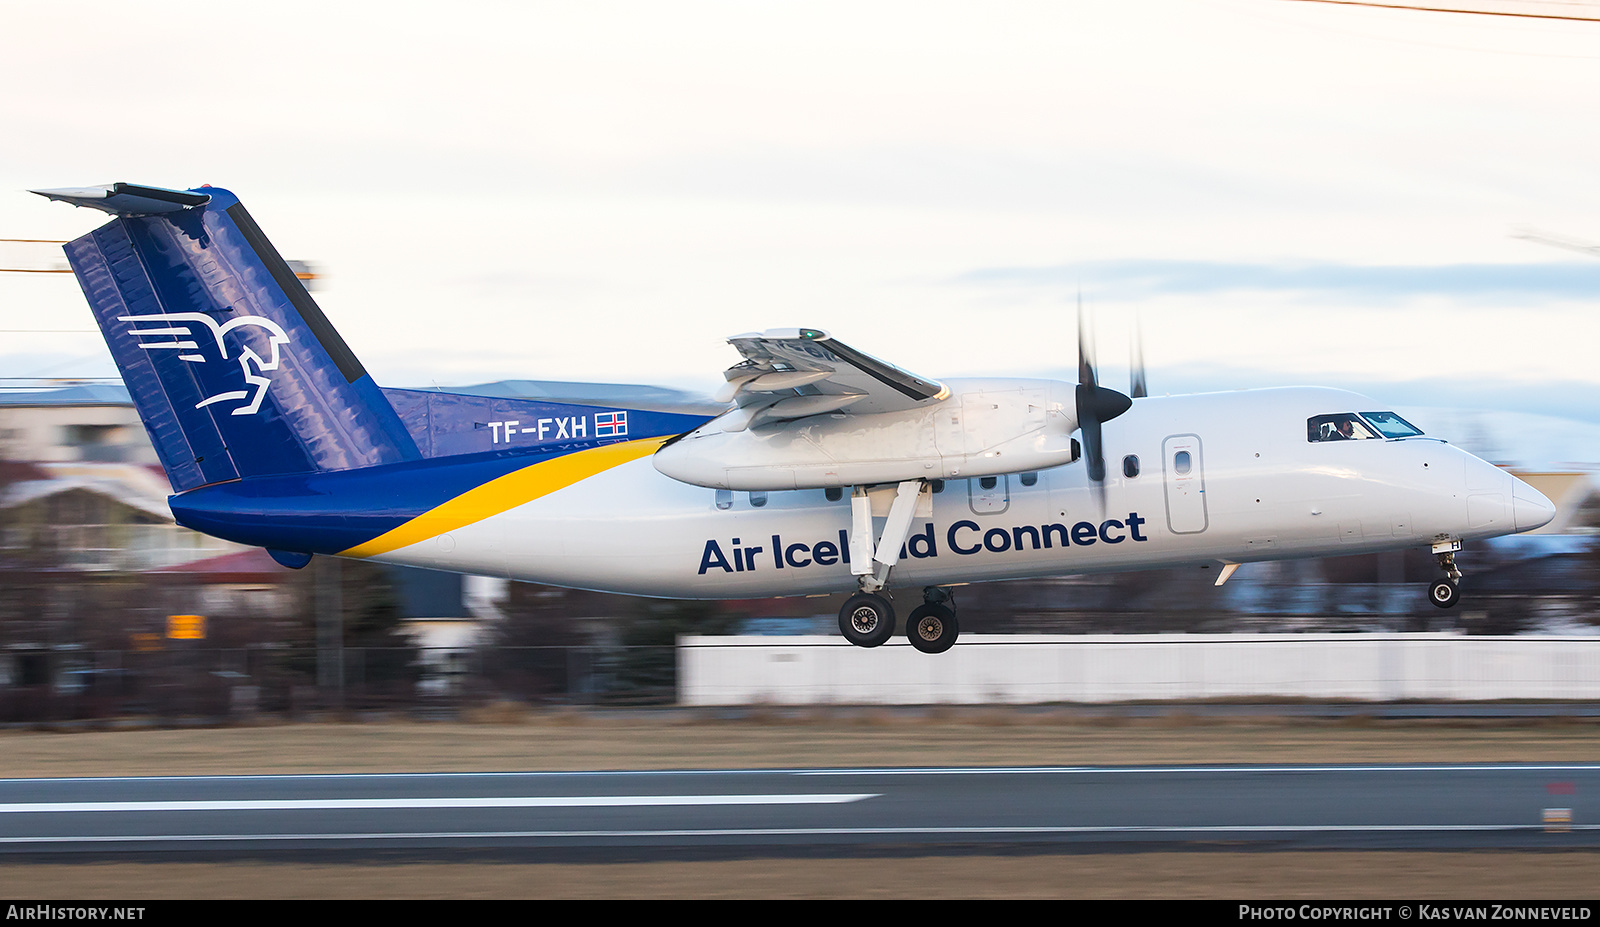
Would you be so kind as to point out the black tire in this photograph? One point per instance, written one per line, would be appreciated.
(866, 620)
(932, 628)
(1444, 593)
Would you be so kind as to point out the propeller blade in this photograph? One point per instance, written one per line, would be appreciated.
(1096, 406)
(1086, 376)
(1138, 388)
(1093, 455)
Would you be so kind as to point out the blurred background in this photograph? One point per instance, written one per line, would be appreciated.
(569, 201)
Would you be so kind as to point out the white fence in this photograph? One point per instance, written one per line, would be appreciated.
(1023, 669)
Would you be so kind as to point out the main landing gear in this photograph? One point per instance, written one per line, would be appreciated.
(867, 618)
(1446, 592)
(932, 626)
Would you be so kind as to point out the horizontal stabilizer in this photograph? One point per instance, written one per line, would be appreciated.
(126, 199)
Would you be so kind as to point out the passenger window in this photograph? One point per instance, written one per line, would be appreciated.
(833, 493)
(1344, 426)
(1029, 479)
(1182, 462)
(1130, 466)
(758, 498)
(988, 482)
(936, 485)
(724, 499)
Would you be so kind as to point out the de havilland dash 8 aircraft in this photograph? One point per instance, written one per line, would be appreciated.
(830, 470)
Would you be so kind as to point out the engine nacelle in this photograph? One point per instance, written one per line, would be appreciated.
(982, 428)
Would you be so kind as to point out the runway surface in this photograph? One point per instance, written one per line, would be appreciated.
(802, 810)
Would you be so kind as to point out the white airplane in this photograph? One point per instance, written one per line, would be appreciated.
(831, 471)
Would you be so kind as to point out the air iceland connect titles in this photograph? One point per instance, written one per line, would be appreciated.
(965, 538)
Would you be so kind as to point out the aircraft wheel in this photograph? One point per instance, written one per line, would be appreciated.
(866, 620)
(1444, 593)
(932, 628)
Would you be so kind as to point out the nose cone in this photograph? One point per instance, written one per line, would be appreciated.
(1529, 507)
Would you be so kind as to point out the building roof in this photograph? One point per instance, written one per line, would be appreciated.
(68, 393)
(253, 566)
(120, 491)
(20, 471)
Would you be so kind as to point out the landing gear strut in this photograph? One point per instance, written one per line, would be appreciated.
(932, 627)
(1446, 592)
(867, 618)
(871, 562)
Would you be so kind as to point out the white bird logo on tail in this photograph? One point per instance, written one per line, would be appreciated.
(183, 339)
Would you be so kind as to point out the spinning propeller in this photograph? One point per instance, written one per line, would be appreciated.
(1098, 404)
(1136, 363)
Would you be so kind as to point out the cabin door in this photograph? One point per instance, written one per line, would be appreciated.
(1183, 466)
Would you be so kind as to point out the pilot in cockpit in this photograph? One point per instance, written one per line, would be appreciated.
(1346, 426)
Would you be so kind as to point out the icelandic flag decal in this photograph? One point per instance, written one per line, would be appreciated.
(610, 424)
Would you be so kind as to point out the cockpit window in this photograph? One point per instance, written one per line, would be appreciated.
(1391, 425)
(1343, 426)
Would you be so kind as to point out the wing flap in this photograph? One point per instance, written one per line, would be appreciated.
(785, 365)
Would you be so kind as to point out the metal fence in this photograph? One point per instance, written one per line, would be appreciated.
(215, 684)
(181, 684)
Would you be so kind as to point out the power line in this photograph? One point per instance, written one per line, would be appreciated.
(1590, 18)
(1557, 241)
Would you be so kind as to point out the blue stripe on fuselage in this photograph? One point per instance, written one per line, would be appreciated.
(332, 511)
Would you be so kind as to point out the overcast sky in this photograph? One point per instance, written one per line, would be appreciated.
(1282, 192)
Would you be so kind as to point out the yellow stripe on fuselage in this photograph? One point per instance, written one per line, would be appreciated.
(506, 492)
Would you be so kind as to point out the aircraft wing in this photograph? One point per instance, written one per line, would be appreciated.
(798, 372)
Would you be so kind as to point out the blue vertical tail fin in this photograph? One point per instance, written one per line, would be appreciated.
(234, 369)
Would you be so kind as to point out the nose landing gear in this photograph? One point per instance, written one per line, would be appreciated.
(1446, 592)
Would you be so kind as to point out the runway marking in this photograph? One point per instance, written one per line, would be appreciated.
(805, 832)
(1082, 770)
(319, 804)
